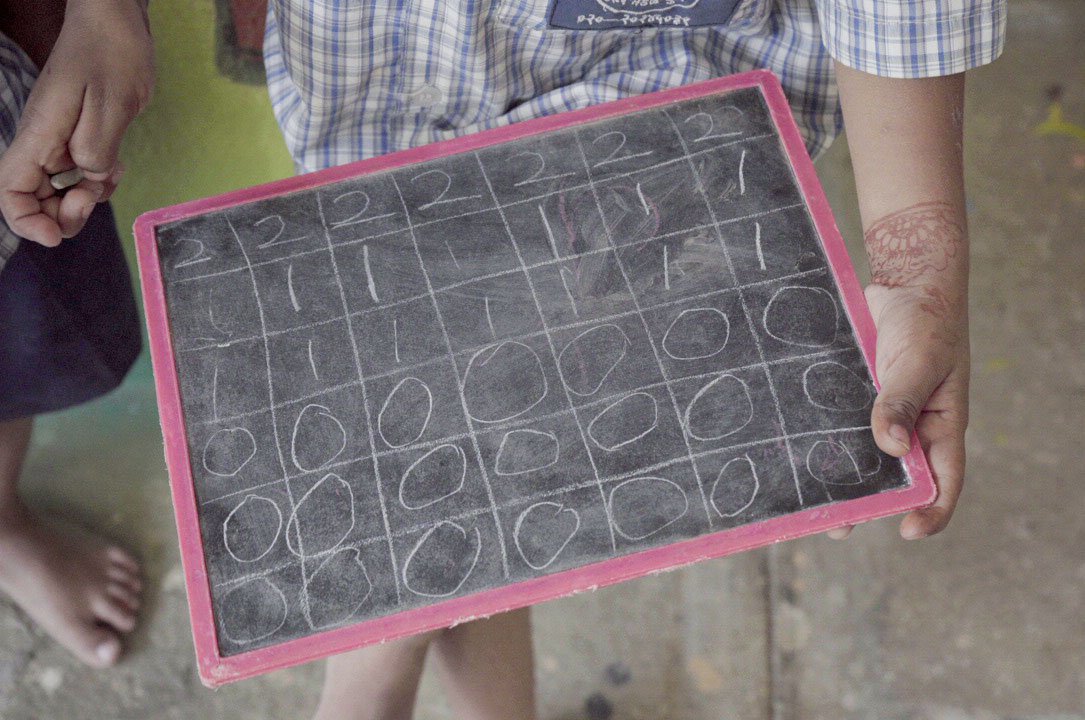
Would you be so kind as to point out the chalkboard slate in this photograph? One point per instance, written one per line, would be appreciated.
(450, 376)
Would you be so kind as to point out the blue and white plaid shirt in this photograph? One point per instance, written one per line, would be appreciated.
(351, 79)
(17, 75)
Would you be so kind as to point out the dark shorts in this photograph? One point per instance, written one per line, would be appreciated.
(69, 326)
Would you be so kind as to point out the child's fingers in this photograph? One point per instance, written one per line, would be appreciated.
(28, 216)
(108, 188)
(46, 217)
(110, 182)
(840, 533)
(907, 385)
(47, 120)
(943, 438)
(50, 207)
(34, 225)
(24, 188)
(96, 139)
(40, 214)
(76, 206)
(71, 207)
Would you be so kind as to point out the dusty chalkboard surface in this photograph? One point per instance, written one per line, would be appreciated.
(463, 373)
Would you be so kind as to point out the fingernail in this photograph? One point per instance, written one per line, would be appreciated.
(898, 433)
(911, 533)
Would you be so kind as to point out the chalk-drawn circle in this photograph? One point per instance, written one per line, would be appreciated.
(438, 474)
(318, 438)
(624, 421)
(831, 386)
(869, 460)
(735, 488)
(831, 463)
(251, 529)
(442, 560)
(589, 358)
(805, 316)
(228, 451)
(642, 506)
(322, 518)
(697, 333)
(337, 589)
(526, 450)
(252, 611)
(406, 413)
(542, 532)
(720, 408)
(503, 381)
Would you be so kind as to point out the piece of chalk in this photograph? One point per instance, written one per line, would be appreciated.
(66, 179)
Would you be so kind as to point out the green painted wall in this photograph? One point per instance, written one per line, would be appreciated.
(203, 134)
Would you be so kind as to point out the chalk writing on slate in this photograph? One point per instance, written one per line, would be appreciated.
(456, 375)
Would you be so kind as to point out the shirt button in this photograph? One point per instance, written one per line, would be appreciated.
(425, 96)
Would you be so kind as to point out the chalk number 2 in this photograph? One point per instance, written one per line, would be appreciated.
(195, 258)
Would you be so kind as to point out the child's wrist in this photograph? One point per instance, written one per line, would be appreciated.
(924, 245)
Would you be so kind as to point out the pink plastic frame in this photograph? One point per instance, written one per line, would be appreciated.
(216, 669)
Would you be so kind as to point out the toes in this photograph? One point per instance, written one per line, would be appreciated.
(124, 595)
(95, 645)
(114, 613)
(123, 569)
(122, 559)
(126, 578)
(107, 650)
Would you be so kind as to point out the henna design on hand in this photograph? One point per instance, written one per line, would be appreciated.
(937, 303)
(909, 244)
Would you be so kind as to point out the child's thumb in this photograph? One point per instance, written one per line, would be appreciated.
(906, 387)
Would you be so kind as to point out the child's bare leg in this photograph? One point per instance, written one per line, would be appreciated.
(488, 668)
(379, 682)
(79, 589)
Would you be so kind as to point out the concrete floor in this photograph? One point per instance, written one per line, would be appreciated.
(984, 622)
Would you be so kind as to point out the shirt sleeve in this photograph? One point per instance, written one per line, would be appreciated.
(913, 38)
(17, 74)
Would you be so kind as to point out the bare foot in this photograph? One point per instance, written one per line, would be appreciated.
(79, 589)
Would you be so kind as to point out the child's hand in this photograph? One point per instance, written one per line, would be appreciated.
(99, 76)
(923, 367)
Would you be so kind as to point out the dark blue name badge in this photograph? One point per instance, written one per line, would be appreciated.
(616, 14)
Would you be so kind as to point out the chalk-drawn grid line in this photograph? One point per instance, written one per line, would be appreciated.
(304, 596)
(557, 362)
(533, 266)
(431, 294)
(644, 322)
(699, 183)
(518, 422)
(401, 369)
(508, 273)
(405, 230)
(527, 500)
(365, 397)
(459, 387)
